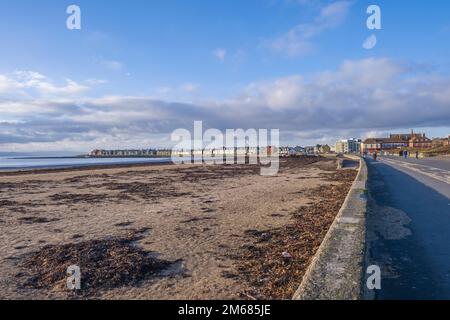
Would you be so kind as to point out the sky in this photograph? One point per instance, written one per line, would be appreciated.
(137, 70)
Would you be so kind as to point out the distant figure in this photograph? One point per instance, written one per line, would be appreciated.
(405, 154)
(417, 154)
(375, 156)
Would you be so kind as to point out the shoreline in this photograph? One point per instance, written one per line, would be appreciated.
(86, 167)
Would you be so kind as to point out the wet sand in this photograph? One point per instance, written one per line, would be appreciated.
(166, 232)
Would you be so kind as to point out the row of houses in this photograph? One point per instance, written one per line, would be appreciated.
(244, 151)
(130, 153)
(308, 150)
(226, 152)
(417, 141)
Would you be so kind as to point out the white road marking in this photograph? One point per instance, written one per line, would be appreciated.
(441, 175)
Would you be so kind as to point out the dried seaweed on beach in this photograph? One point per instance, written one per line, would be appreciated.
(344, 175)
(76, 197)
(31, 220)
(104, 264)
(275, 263)
(8, 203)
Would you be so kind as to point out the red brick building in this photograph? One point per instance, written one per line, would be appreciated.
(397, 141)
(420, 142)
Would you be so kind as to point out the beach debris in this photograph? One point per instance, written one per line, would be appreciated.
(265, 236)
(286, 255)
(31, 220)
(262, 236)
(67, 198)
(124, 224)
(8, 203)
(105, 264)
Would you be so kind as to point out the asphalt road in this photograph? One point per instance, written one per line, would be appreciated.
(408, 227)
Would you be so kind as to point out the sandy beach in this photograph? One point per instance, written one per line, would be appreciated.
(166, 231)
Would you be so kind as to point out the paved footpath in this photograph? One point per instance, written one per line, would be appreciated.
(408, 227)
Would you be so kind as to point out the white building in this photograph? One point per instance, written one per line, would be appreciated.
(348, 146)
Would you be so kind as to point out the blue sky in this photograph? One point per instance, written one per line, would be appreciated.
(138, 68)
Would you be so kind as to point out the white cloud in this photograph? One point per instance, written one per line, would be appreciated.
(30, 82)
(7, 84)
(298, 41)
(366, 73)
(277, 94)
(220, 54)
(71, 88)
(359, 96)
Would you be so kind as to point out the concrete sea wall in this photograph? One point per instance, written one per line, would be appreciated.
(336, 270)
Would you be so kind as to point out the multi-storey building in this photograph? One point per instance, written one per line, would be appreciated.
(348, 146)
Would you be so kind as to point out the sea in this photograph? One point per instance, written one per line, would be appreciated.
(30, 163)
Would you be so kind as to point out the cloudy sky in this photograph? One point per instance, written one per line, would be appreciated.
(137, 70)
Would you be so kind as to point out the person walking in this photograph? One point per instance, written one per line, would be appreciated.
(417, 154)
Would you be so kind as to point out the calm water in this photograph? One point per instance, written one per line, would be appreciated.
(22, 163)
